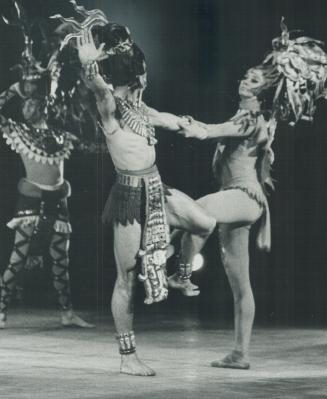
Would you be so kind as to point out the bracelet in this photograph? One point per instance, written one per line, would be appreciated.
(91, 70)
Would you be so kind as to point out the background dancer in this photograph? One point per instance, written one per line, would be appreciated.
(41, 220)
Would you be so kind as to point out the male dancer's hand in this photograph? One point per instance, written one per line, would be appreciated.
(87, 50)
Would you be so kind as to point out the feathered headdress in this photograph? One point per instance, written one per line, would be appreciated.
(87, 20)
(302, 65)
(30, 69)
(118, 45)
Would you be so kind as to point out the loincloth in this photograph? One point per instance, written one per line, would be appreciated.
(141, 196)
(46, 211)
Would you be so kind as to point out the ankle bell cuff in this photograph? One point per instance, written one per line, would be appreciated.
(126, 343)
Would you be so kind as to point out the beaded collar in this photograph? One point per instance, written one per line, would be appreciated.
(47, 146)
(136, 118)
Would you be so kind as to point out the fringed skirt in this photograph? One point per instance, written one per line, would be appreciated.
(127, 198)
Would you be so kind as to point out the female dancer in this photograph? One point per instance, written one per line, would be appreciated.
(242, 162)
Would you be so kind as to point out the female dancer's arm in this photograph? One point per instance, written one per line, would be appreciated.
(241, 125)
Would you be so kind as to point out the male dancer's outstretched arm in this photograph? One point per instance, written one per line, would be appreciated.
(166, 120)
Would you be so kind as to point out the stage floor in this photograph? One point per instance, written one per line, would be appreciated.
(41, 360)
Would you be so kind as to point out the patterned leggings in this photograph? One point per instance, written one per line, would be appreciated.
(58, 250)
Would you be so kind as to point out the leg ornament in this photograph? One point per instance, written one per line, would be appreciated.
(10, 274)
(181, 280)
(60, 261)
(126, 343)
(184, 270)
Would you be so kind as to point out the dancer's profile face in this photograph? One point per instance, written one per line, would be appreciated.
(251, 84)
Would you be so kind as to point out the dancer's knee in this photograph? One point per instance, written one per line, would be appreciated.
(204, 230)
(209, 227)
(243, 294)
(126, 280)
(238, 279)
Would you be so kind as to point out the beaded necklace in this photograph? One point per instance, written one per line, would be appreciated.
(137, 119)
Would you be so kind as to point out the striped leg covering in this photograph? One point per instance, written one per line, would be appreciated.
(18, 260)
(60, 261)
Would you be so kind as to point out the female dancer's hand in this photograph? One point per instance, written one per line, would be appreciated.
(86, 48)
(193, 129)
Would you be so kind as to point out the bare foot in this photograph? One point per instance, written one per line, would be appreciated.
(131, 364)
(186, 287)
(3, 318)
(235, 360)
(70, 319)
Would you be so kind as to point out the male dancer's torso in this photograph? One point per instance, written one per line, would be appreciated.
(128, 150)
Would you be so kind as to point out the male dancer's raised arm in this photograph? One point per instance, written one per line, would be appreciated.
(89, 54)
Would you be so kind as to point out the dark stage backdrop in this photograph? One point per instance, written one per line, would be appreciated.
(196, 51)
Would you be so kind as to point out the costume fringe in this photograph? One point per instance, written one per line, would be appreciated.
(59, 225)
(23, 221)
(123, 205)
(255, 195)
(62, 227)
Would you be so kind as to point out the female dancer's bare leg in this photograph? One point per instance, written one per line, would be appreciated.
(234, 251)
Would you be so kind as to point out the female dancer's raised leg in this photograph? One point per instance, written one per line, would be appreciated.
(230, 206)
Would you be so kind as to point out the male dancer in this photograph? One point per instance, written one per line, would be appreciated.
(139, 206)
